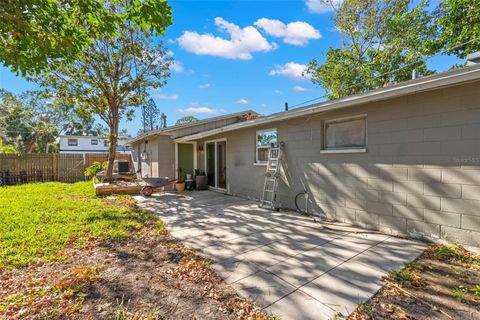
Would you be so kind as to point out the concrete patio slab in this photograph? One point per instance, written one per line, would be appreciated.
(264, 256)
(337, 294)
(218, 252)
(299, 305)
(289, 264)
(244, 244)
(297, 271)
(263, 288)
(234, 269)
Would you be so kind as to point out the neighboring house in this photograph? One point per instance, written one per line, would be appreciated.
(403, 159)
(89, 144)
(155, 153)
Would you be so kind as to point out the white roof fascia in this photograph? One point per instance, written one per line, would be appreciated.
(419, 85)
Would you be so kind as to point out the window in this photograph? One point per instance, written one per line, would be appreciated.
(72, 142)
(94, 142)
(264, 140)
(105, 143)
(347, 134)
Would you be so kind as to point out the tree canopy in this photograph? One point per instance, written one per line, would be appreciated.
(26, 123)
(385, 40)
(378, 37)
(186, 119)
(459, 24)
(40, 34)
(31, 121)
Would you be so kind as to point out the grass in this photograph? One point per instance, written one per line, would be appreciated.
(39, 220)
(409, 274)
(459, 293)
(453, 251)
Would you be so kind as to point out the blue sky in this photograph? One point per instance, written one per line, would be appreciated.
(259, 69)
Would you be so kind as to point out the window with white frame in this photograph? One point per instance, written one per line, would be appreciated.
(94, 142)
(345, 133)
(264, 140)
(72, 142)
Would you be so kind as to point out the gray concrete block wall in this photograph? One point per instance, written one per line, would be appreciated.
(420, 175)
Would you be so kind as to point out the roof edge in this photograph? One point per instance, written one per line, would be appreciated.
(187, 125)
(436, 81)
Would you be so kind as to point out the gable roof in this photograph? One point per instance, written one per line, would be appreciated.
(187, 125)
(439, 80)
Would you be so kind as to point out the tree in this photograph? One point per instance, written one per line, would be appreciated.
(383, 41)
(186, 119)
(31, 121)
(3, 118)
(150, 115)
(459, 25)
(71, 121)
(109, 79)
(24, 123)
(39, 34)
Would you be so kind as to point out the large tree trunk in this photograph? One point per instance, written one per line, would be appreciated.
(112, 150)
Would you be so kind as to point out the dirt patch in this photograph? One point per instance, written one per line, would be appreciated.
(443, 283)
(150, 275)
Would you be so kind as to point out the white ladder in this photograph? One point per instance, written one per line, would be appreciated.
(269, 194)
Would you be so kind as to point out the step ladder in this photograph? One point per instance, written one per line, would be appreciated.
(272, 174)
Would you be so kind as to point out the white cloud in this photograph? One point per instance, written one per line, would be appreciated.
(242, 43)
(200, 110)
(299, 88)
(242, 101)
(278, 91)
(177, 66)
(163, 96)
(291, 69)
(322, 6)
(297, 33)
(263, 105)
(204, 86)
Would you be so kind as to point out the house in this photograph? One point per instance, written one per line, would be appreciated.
(89, 144)
(403, 159)
(156, 154)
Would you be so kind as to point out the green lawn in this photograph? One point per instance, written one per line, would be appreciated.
(38, 220)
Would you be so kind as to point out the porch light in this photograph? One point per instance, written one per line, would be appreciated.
(200, 148)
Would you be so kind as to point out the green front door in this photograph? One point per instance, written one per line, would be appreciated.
(185, 160)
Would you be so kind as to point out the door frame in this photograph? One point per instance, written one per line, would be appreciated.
(195, 162)
(216, 162)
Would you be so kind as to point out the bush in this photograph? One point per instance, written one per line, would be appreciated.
(95, 168)
(7, 149)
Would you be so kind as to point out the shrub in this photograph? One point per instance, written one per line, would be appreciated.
(7, 149)
(95, 168)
